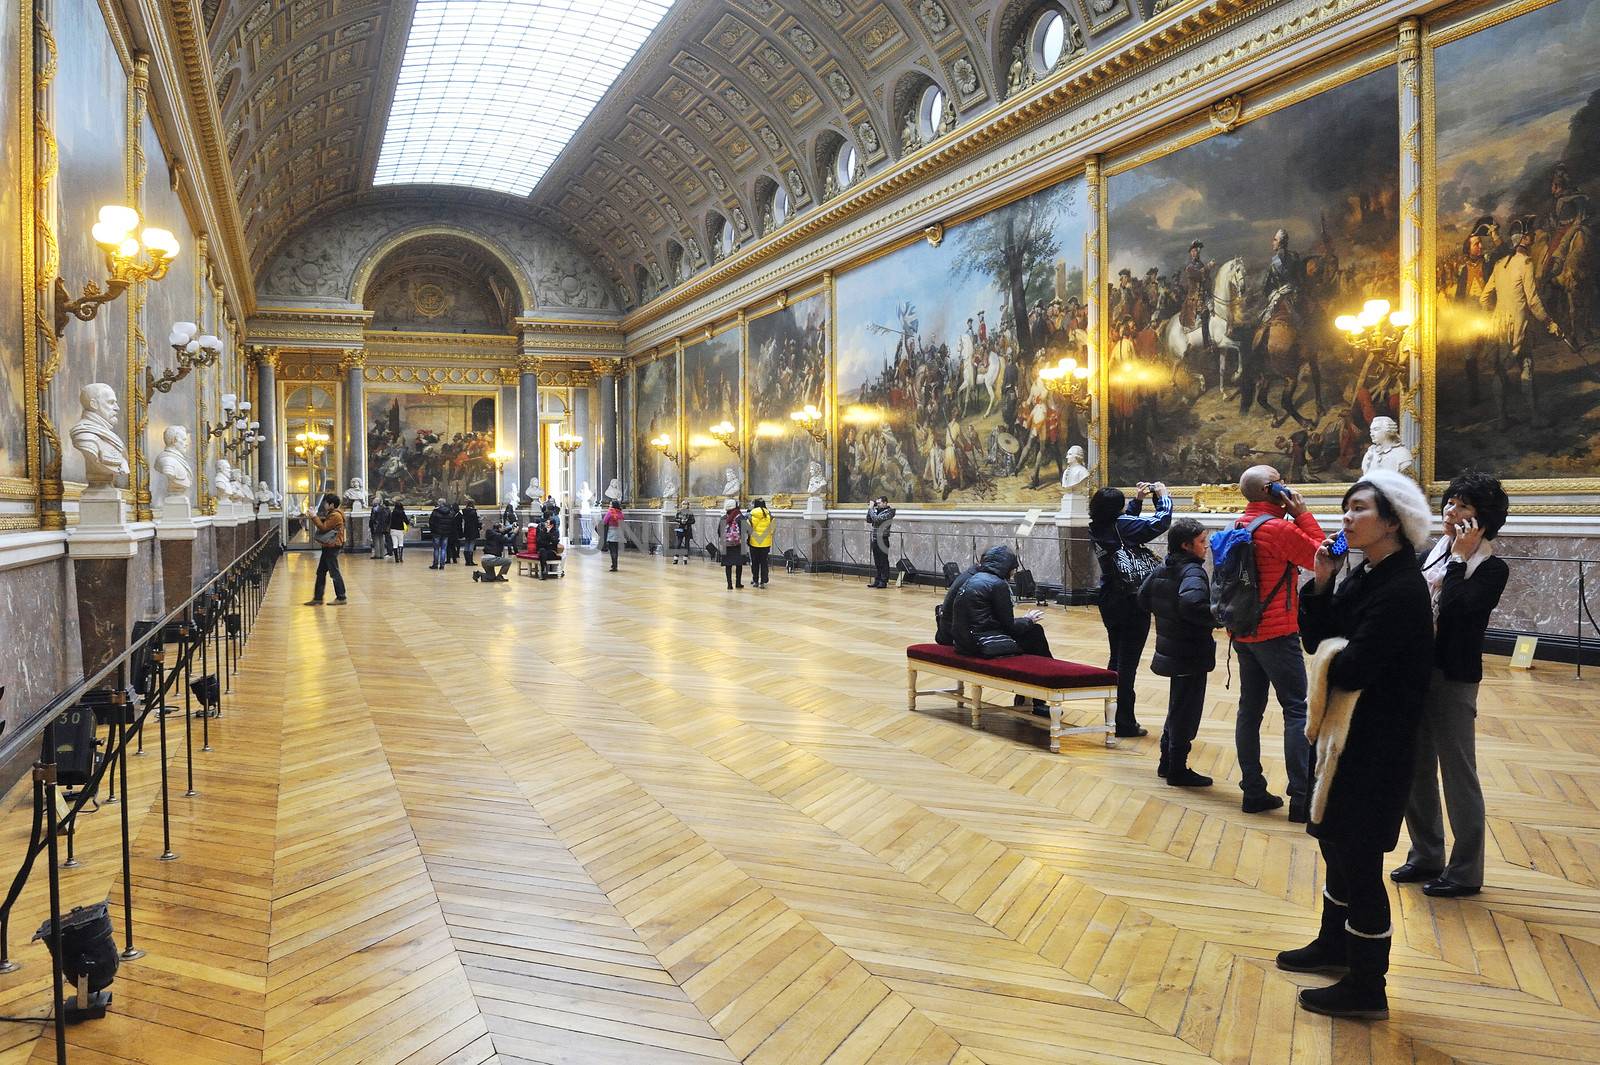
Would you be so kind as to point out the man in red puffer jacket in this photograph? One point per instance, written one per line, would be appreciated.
(1272, 653)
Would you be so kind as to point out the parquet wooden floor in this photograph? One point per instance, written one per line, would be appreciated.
(637, 818)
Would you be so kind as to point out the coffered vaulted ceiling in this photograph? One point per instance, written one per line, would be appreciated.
(727, 99)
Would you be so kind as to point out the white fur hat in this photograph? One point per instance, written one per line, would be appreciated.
(1408, 502)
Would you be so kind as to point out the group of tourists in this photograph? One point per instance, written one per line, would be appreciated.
(740, 535)
(1382, 711)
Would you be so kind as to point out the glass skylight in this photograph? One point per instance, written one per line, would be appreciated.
(490, 91)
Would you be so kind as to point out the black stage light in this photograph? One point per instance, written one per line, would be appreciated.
(88, 959)
(793, 560)
(209, 692)
(905, 566)
(1025, 585)
(952, 570)
(69, 743)
(234, 622)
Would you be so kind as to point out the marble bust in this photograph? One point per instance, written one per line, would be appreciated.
(1075, 475)
(173, 461)
(357, 492)
(534, 493)
(264, 494)
(1387, 452)
(105, 456)
(669, 486)
(614, 489)
(816, 480)
(731, 481)
(585, 497)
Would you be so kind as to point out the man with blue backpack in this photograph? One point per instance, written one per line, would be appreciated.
(1255, 565)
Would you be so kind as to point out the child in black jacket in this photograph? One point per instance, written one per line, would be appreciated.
(1178, 593)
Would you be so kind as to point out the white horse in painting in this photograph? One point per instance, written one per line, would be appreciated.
(1177, 343)
(974, 378)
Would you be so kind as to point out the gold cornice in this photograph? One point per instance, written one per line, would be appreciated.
(200, 106)
(354, 316)
(569, 325)
(606, 367)
(117, 30)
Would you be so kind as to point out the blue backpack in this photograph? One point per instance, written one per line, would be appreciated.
(1236, 599)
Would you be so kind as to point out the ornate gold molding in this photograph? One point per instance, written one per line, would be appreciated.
(46, 268)
(355, 358)
(138, 354)
(528, 364)
(1218, 499)
(606, 367)
(1227, 113)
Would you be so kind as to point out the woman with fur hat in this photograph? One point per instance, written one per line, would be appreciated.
(1371, 635)
(733, 532)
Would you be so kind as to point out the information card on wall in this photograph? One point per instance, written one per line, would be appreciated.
(1029, 520)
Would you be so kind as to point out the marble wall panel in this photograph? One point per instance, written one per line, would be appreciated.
(205, 554)
(1542, 597)
(38, 614)
(91, 133)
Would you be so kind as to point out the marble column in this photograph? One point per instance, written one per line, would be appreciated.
(607, 436)
(1411, 291)
(355, 415)
(527, 423)
(267, 413)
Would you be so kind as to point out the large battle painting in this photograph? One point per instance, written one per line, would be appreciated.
(788, 369)
(655, 386)
(422, 447)
(710, 397)
(939, 352)
(1518, 276)
(1230, 260)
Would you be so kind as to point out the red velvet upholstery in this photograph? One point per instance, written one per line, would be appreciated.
(532, 556)
(1027, 669)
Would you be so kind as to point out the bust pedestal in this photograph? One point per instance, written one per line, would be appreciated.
(100, 547)
(1079, 572)
(816, 507)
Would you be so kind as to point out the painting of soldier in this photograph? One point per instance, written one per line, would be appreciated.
(711, 397)
(939, 353)
(788, 369)
(425, 447)
(1230, 260)
(1518, 270)
(655, 387)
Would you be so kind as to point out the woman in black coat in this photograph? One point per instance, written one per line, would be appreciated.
(1382, 610)
(1116, 523)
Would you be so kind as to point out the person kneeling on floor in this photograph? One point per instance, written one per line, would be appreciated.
(977, 618)
(497, 549)
(1178, 593)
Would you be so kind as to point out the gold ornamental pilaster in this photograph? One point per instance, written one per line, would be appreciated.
(1093, 281)
(138, 350)
(47, 265)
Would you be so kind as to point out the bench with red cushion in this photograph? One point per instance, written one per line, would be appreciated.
(1054, 680)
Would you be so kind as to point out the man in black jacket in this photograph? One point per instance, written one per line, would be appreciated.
(880, 518)
(977, 618)
(497, 552)
(440, 525)
(471, 529)
(1178, 593)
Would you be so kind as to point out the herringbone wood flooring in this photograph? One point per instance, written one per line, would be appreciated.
(637, 818)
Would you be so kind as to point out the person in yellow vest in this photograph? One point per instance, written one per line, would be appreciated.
(760, 542)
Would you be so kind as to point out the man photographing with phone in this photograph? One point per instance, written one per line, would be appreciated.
(326, 527)
(1284, 543)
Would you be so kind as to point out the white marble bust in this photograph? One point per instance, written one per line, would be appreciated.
(1387, 452)
(357, 492)
(585, 498)
(1075, 475)
(173, 461)
(614, 489)
(534, 492)
(223, 481)
(105, 456)
(731, 481)
(669, 485)
(816, 480)
(264, 494)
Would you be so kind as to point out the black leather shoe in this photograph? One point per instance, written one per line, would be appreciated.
(1410, 873)
(1448, 889)
(1260, 804)
(1131, 733)
(1299, 812)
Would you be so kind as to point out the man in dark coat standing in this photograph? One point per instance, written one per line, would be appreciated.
(441, 524)
(880, 519)
(1178, 593)
(471, 529)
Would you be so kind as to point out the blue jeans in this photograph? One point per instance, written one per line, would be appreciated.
(1277, 661)
(441, 547)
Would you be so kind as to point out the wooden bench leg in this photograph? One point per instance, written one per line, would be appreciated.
(911, 689)
(1111, 722)
(977, 701)
(1055, 726)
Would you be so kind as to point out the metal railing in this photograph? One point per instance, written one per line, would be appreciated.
(213, 624)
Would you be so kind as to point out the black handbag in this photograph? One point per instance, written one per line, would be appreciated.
(1133, 564)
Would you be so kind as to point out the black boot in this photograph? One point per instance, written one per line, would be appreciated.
(1360, 994)
(1327, 953)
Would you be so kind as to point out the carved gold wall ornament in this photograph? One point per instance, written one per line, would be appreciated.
(934, 234)
(1227, 113)
(1219, 499)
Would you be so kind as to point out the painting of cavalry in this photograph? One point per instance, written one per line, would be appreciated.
(1518, 270)
(655, 411)
(939, 352)
(788, 369)
(421, 448)
(1230, 260)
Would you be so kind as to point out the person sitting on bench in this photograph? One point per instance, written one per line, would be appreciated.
(547, 543)
(977, 618)
(497, 554)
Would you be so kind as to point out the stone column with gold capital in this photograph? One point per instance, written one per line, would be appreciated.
(267, 360)
(606, 371)
(527, 423)
(355, 415)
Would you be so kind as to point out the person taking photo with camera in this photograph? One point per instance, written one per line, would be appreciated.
(326, 527)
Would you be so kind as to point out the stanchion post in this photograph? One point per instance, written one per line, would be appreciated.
(44, 783)
(166, 820)
(129, 952)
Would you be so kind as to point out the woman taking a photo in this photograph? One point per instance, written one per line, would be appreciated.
(1371, 678)
(1465, 580)
(1119, 533)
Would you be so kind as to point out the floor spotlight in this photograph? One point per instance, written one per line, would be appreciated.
(88, 959)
